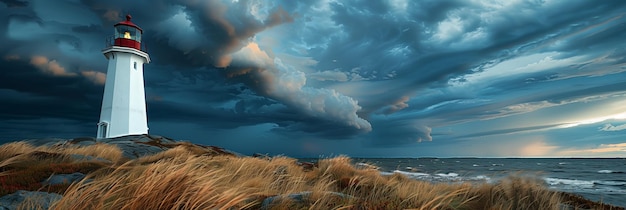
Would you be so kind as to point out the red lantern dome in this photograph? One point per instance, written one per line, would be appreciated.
(127, 34)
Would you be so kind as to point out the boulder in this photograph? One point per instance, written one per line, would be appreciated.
(134, 146)
(64, 178)
(41, 199)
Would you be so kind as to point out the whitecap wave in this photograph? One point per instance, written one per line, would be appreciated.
(610, 172)
(611, 183)
(572, 182)
(411, 174)
(448, 175)
(481, 177)
(367, 166)
(440, 177)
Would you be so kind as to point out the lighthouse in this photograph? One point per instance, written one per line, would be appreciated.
(123, 109)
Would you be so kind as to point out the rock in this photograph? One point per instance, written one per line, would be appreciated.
(144, 138)
(261, 156)
(308, 166)
(78, 140)
(89, 158)
(134, 146)
(41, 199)
(64, 178)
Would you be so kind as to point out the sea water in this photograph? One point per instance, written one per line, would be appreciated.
(597, 179)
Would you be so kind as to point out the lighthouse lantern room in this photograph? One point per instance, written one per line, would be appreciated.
(123, 109)
(127, 34)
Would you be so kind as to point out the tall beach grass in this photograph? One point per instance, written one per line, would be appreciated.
(193, 177)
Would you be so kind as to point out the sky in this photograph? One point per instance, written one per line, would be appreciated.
(319, 78)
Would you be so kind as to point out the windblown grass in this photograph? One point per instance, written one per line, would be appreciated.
(24, 167)
(193, 177)
(181, 180)
(98, 150)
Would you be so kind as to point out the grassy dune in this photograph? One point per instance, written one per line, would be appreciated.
(188, 176)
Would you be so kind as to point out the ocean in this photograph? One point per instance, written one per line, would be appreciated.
(597, 179)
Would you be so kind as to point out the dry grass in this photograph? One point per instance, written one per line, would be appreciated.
(98, 150)
(178, 179)
(24, 167)
(14, 148)
(103, 151)
(519, 192)
(189, 177)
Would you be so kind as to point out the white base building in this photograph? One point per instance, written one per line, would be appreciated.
(124, 102)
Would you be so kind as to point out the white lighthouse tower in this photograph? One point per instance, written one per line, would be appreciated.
(124, 102)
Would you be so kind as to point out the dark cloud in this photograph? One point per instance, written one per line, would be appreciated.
(217, 29)
(288, 86)
(219, 34)
(89, 29)
(398, 132)
(15, 3)
(33, 94)
(22, 129)
(384, 73)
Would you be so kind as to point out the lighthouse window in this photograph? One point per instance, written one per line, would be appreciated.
(137, 35)
(135, 65)
(127, 32)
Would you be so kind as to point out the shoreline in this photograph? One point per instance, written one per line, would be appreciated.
(181, 169)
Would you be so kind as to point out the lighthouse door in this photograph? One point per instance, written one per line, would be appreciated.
(102, 129)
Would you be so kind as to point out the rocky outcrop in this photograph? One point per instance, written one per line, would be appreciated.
(30, 198)
(132, 146)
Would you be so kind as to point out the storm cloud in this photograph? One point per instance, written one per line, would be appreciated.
(409, 75)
